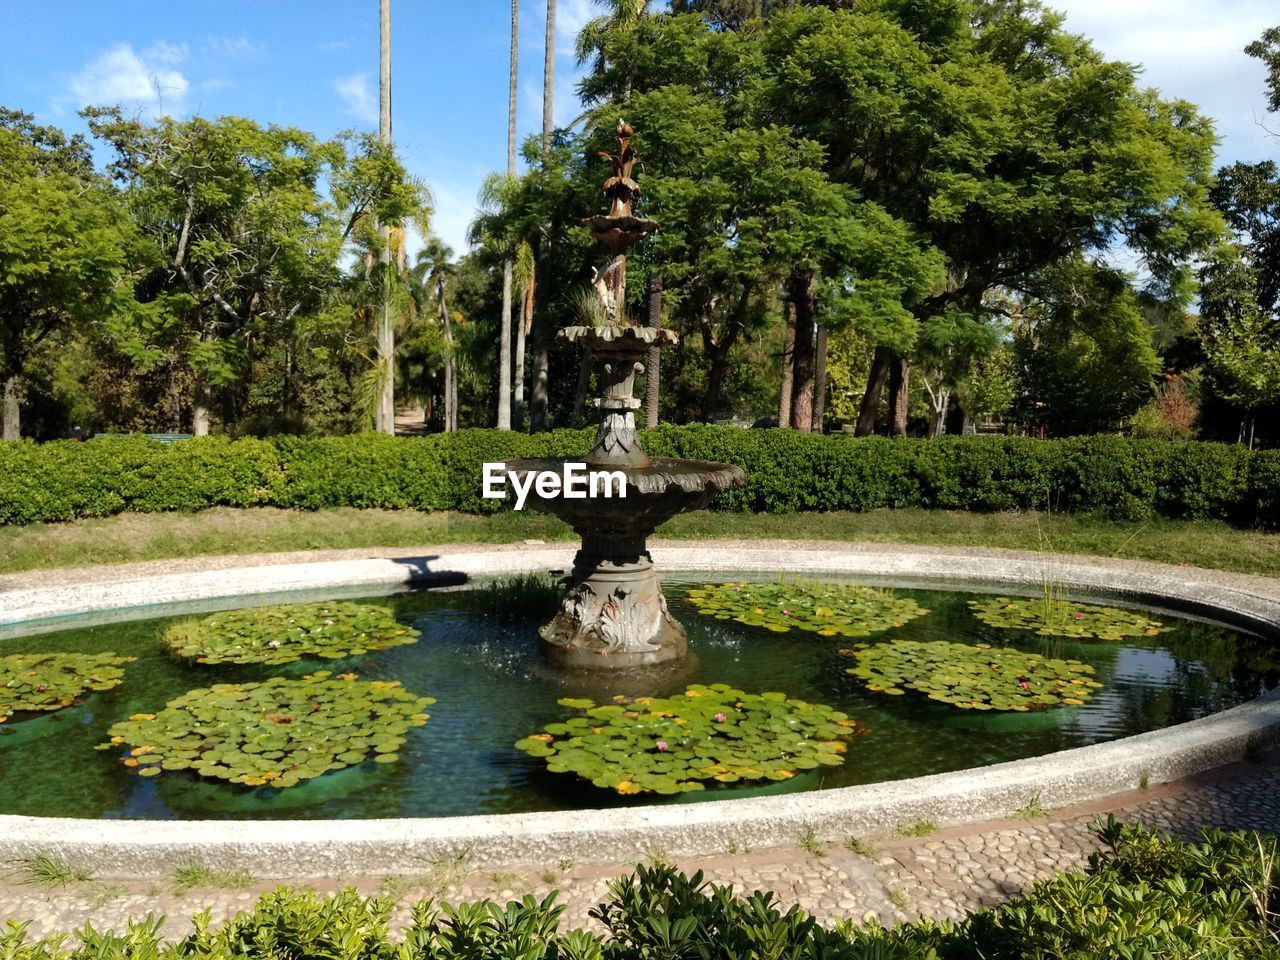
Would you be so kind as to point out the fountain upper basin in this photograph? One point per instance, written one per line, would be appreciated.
(653, 494)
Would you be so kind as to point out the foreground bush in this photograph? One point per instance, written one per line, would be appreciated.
(789, 471)
(1146, 897)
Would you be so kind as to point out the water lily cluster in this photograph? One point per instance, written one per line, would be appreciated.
(1062, 618)
(279, 732)
(289, 633)
(707, 735)
(973, 677)
(827, 609)
(39, 682)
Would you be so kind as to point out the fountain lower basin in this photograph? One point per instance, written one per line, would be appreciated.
(613, 614)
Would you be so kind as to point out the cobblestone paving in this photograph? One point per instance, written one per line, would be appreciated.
(941, 874)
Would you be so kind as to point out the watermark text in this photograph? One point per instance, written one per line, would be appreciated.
(573, 481)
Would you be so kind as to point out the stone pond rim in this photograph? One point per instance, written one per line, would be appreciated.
(114, 849)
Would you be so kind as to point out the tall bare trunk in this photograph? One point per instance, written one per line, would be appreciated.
(12, 407)
(899, 390)
(386, 417)
(820, 381)
(788, 359)
(504, 336)
(548, 79)
(539, 386)
(653, 376)
(802, 353)
(870, 409)
(200, 406)
(517, 402)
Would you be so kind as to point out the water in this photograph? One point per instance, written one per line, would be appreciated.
(492, 689)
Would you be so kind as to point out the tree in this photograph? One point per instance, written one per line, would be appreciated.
(1241, 340)
(508, 265)
(539, 395)
(1008, 143)
(386, 418)
(246, 225)
(65, 247)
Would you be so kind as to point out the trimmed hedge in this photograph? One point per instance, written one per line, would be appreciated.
(1144, 897)
(789, 471)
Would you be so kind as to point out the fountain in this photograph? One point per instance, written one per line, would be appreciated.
(613, 614)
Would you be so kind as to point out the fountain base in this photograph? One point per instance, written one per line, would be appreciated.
(613, 614)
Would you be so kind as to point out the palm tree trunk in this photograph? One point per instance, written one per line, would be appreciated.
(526, 316)
(504, 336)
(788, 371)
(653, 378)
(539, 387)
(386, 418)
(548, 79)
(820, 381)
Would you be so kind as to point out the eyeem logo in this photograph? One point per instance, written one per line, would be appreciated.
(573, 482)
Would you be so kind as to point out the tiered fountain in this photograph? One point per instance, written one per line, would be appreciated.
(613, 614)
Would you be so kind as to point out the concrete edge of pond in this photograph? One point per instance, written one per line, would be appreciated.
(117, 849)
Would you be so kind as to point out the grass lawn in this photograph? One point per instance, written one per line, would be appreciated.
(132, 537)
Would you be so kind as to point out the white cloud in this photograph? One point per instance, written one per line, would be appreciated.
(357, 93)
(233, 46)
(147, 80)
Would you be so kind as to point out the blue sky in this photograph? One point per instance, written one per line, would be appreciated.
(314, 64)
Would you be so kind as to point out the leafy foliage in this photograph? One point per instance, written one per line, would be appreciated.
(51, 681)
(828, 609)
(708, 734)
(1052, 617)
(518, 597)
(973, 677)
(789, 472)
(278, 732)
(285, 634)
(1146, 896)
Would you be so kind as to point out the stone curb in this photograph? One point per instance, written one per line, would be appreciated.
(115, 849)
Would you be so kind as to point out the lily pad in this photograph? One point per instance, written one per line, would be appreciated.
(977, 677)
(288, 633)
(1062, 618)
(278, 732)
(40, 682)
(828, 609)
(706, 735)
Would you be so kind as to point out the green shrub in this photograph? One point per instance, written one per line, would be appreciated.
(1145, 897)
(787, 471)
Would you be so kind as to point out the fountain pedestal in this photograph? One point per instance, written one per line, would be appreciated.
(613, 614)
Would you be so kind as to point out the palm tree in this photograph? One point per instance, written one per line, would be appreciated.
(541, 351)
(504, 337)
(385, 421)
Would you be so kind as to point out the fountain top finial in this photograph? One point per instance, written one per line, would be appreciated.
(621, 188)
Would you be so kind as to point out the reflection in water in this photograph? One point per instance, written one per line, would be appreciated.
(492, 689)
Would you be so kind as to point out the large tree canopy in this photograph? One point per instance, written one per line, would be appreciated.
(1003, 144)
(247, 225)
(64, 246)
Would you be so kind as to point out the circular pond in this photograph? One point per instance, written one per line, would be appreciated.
(477, 657)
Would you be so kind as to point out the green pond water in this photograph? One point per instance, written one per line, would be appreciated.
(492, 689)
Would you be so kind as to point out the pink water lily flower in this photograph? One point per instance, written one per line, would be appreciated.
(662, 746)
(786, 613)
(1078, 616)
(720, 718)
(41, 687)
(274, 644)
